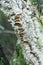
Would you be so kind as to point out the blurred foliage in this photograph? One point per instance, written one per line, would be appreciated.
(7, 40)
(18, 58)
(25, 0)
(39, 5)
(41, 1)
(4, 22)
(1, 62)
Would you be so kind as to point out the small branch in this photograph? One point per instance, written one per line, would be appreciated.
(7, 31)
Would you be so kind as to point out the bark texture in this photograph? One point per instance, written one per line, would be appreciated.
(23, 16)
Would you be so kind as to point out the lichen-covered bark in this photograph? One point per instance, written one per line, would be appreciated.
(33, 29)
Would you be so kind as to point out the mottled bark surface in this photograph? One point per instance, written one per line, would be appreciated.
(30, 24)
